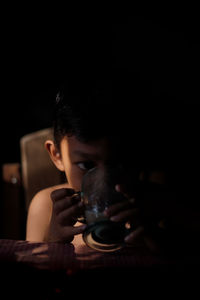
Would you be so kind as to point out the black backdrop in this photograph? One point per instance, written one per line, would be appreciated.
(39, 49)
(38, 52)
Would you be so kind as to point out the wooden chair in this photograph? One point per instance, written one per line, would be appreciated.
(37, 169)
(22, 180)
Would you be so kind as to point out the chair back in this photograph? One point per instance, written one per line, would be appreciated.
(38, 171)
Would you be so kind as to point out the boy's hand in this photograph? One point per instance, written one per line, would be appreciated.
(145, 218)
(65, 210)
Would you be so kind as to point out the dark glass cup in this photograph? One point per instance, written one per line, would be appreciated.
(98, 193)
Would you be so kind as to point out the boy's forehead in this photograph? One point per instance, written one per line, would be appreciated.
(112, 154)
(103, 149)
(98, 148)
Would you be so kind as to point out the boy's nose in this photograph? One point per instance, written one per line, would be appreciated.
(120, 173)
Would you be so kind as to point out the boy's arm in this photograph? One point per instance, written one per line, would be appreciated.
(52, 215)
(39, 215)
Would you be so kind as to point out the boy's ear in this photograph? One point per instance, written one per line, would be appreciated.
(54, 154)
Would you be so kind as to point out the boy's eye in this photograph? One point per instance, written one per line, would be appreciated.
(86, 165)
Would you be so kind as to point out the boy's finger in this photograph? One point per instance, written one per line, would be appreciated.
(125, 215)
(134, 235)
(66, 216)
(67, 233)
(61, 193)
(115, 208)
(120, 189)
(65, 203)
(78, 229)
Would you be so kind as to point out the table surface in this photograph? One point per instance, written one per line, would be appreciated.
(78, 256)
(55, 265)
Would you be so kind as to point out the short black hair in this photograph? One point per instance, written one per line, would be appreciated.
(120, 108)
(94, 108)
(81, 111)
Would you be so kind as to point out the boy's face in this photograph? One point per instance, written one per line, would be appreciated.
(76, 158)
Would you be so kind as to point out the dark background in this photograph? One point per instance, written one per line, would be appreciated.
(40, 50)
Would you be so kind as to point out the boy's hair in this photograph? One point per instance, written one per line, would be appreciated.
(91, 109)
(82, 111)
(121, 109)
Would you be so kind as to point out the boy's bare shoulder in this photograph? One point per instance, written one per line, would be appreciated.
(43, 199)
(39, 214)
(45, 193)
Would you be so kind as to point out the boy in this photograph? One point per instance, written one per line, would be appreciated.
(99, 125)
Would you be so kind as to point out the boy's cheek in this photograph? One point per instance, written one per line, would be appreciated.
(74, 180)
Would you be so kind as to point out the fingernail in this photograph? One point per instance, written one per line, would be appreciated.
(106, 213)
(83, 226)
(76, 196)
(114, 218)
(127, 238)
(132, 200)
(117, 188)
(134, 234)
